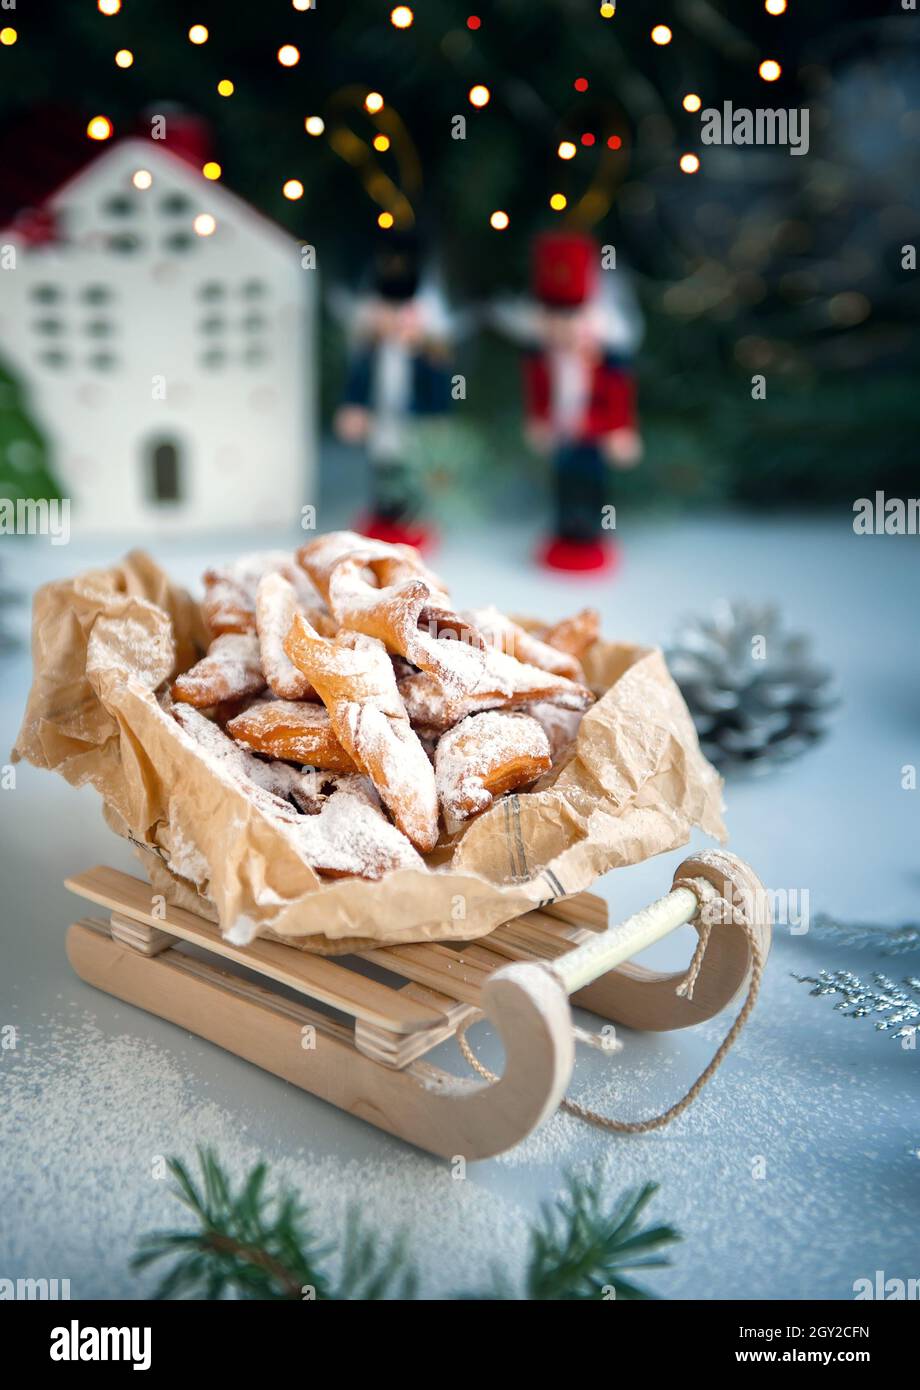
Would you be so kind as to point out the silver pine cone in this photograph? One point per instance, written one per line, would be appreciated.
(756, 695)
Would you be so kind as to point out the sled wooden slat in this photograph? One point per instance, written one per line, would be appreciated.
(368, 1059)
(313, 975)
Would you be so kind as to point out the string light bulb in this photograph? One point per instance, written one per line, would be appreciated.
(288, 55)
(401, 17)
(558, 201)
(775, 6)
(8, 37)
(198, 34)
(124, 58)
(608, 9)
(292, 190)
(689, 163)
(479, 95)
(142, 179)
(314, 125)
(225, 87)
(661, 35)
(473, 21)
(211, 170)
(769, 70)
(499, 220)
(382, 143)
(204, 224)
(567, 150)
(99, 128)
(692, 102)
(385, 220)
(373, 102)
(108, 6)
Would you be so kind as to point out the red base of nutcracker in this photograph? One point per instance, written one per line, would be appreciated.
(579, 557)
(397, 533)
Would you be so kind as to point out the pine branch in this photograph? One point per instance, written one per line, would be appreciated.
(581, 1246)
(260, 1246)
(255, 1245)
(900, 1004)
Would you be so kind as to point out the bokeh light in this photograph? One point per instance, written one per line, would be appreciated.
(401, 17)
(204, 224)
(614, 142)
(558, 201)
(226, 87)
(198, 34)
(385, 220)
(314, 125)
(99, 128)
(473, 21)
(124, 57)
(689, 163)
(292, 190)
(142, 179)
(775, 6)
(692, 102)
(567, 150)
(580, 84)
(661, 34)
(479, 95)
(381, 143)
(499, 220)
(608, 9)
(8, 37)
(212, 169)
(288, 55)
(373, 102)
(108, 6)
(587, 139)
(769, 70)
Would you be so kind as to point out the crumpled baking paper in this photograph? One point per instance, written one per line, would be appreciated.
(103, 643)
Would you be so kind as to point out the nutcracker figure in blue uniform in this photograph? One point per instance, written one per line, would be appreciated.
(580, 394)
(399, 370)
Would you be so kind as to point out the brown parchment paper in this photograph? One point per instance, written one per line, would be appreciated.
(104, 643)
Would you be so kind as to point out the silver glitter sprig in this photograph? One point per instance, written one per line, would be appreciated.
(898, 1003)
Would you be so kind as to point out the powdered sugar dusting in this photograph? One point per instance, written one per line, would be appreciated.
(485, 750)
(505, 684)
(276, 604)
(230, 592)
(342, 832)
(231, 670)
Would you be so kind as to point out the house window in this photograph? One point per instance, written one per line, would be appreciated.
(164, 472)
(174, 204)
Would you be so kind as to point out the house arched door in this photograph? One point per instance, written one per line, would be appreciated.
(165, 470)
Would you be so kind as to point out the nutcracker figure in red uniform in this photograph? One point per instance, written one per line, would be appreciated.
(580, 395)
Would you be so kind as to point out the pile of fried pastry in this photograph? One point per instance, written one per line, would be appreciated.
(351, 700)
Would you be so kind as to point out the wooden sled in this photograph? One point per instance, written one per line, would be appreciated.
(366, 1057)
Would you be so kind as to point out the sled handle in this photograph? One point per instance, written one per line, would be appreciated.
(738, 897)
(735, 925)
(626, 939)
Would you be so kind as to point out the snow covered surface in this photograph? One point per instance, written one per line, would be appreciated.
(824, 1108)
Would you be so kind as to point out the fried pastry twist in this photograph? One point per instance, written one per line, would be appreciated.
(231, 670)
(296, 732)
(485, 756)
(354, 678)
